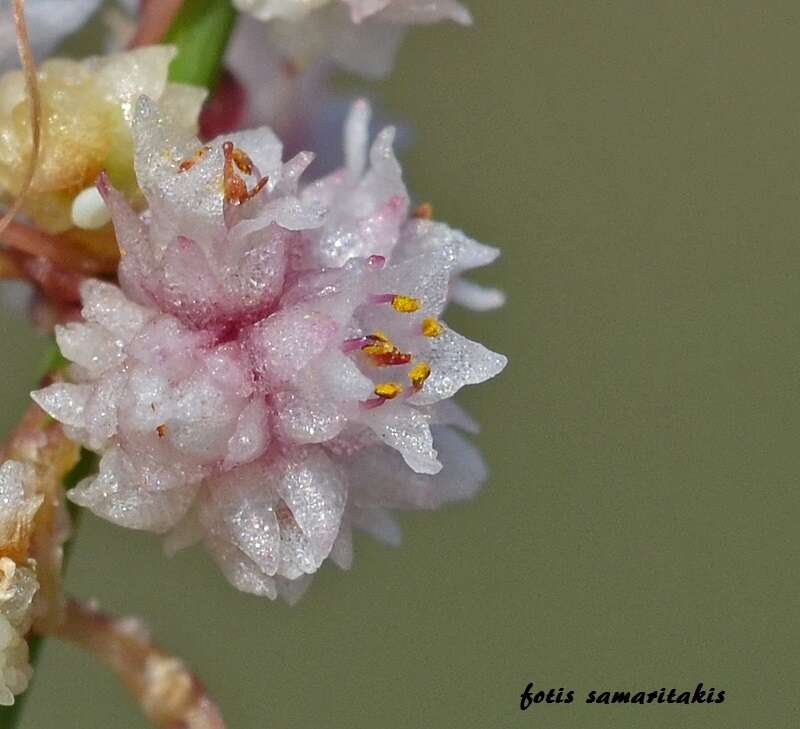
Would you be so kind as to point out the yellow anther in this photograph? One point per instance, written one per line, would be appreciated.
(379, 344)
(418, 374)
(431, 327)
(383, 351)
(405, 304)
(388, 390)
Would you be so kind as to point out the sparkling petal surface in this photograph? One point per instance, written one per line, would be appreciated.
(272, 371)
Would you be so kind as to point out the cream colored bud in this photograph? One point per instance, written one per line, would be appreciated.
(89, 211)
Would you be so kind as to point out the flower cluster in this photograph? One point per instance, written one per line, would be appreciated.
(19, 503)
(273, 369)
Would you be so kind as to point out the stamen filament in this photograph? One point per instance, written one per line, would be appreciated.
(236, 191)
(400, 303)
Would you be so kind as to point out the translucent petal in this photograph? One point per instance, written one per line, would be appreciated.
(356, 138)
(378, 476)
(141, 496)
(251, 437)
(449, 412)
(425, 277)
(302, 420)
(203, 419)
(380, 524)
(476, 297)
(271, 9)
(12, 489)
(342, 552)
(122, 77)
(283, 344)
(89, 345)
(239, 507)
(106, 305)
(292, 590)
(64, 401)
(312, 487)
(368, 49)
(407, 430)
(456, 361)
(426, 236)
(240, 570)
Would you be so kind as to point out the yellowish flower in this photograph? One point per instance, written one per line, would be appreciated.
(86, 113)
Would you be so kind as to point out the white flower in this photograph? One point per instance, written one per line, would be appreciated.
(275, 370)
(359, 35)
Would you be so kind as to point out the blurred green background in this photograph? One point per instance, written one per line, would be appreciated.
(639, 164)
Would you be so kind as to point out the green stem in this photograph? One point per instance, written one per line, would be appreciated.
(200, 31)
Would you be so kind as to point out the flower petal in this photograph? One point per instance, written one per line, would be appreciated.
(456, 361)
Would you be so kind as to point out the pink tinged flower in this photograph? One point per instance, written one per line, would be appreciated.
(368, 215)
(213, 246)
(366, 200)
(254, 387)
(380, 331)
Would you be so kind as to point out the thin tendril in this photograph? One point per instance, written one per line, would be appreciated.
(32, 89)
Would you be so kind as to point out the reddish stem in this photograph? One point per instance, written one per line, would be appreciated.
(170, 695)
(155, 18)
(56, 249)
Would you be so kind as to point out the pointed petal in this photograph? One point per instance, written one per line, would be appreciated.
(292, 590)
(240, 570)
(64, 401)
(142, 496)
(378, 476)
(106, 305)
(456, 361)
(342, 552)
(476, 297)
(380, 524)
(251, 437)
(313, 489)
(238, 507)
(89, 345)
(407, 430)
